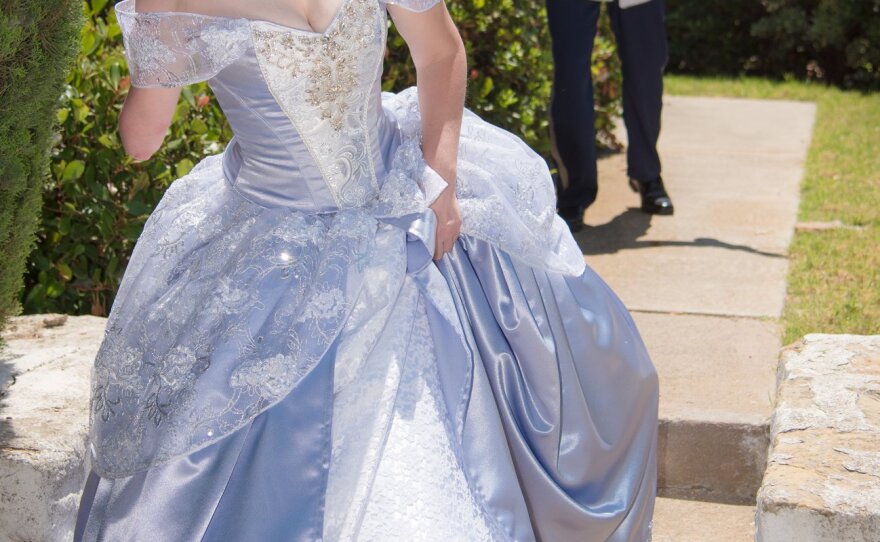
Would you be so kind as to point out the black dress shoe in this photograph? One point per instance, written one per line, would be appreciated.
(655, 200)
(574, 217)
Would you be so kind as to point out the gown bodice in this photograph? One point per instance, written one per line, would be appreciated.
(305, 107)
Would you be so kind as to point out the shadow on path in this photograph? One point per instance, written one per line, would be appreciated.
(625, 230)
(7, 379)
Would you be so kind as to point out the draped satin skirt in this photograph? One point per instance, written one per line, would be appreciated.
(553, 438)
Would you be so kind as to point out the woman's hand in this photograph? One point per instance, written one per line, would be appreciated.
(441, 65)
(448, 214)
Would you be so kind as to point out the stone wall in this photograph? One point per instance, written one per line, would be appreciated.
(45, 367)
(823, 475)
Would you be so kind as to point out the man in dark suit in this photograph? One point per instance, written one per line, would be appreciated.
(640, 32)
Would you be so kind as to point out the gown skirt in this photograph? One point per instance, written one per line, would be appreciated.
(486, 396)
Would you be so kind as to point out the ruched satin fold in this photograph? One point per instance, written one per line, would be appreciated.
(574, 388)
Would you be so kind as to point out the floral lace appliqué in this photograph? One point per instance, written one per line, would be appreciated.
(175, 49)
(413, 5)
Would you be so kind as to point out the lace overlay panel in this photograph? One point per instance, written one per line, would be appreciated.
(324, 82)
(503, 187)
(224, 308)
(413, 5)
(396, 471)
(175, 49)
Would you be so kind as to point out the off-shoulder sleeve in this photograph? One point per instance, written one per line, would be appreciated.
(412, 5)
(175, 49)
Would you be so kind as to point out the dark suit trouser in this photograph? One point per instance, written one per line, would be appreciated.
(640, 32)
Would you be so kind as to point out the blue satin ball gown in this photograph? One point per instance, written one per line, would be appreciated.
(284, 360)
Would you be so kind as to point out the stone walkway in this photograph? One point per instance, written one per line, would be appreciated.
(707, 286)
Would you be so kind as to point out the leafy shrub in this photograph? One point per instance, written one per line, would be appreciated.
(607, 85)
(96, 204)
(98, 199)
(37, 42)
(511, 75)
(835, 41)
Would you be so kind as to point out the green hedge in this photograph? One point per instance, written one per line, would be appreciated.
(98, 200)
(834, 41)
(37, 43)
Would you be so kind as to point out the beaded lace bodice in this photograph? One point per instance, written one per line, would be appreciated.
(324, 83)
(305, 106)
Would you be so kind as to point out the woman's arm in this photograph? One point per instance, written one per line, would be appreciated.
(441, 66)
(145, 118)
(147, 112)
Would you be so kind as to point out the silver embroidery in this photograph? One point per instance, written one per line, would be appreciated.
(265, 378)
(324, 82)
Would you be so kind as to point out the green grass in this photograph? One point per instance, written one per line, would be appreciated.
(834, 279)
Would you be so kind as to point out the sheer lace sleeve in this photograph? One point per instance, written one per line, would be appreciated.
(175, 49)
(412, 5)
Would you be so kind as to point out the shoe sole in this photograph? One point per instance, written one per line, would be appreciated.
(665, 211)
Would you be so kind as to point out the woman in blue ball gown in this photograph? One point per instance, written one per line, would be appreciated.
(363, 320)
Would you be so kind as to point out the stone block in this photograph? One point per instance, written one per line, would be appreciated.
(823, 476)
(694, 521)
(45, 366)
(710, 460)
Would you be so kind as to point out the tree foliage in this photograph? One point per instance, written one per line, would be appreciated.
(833, 41)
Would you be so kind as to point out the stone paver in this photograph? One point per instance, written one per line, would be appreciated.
(693, 521)
(733, 168)
(716, 390)
(714, 368)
